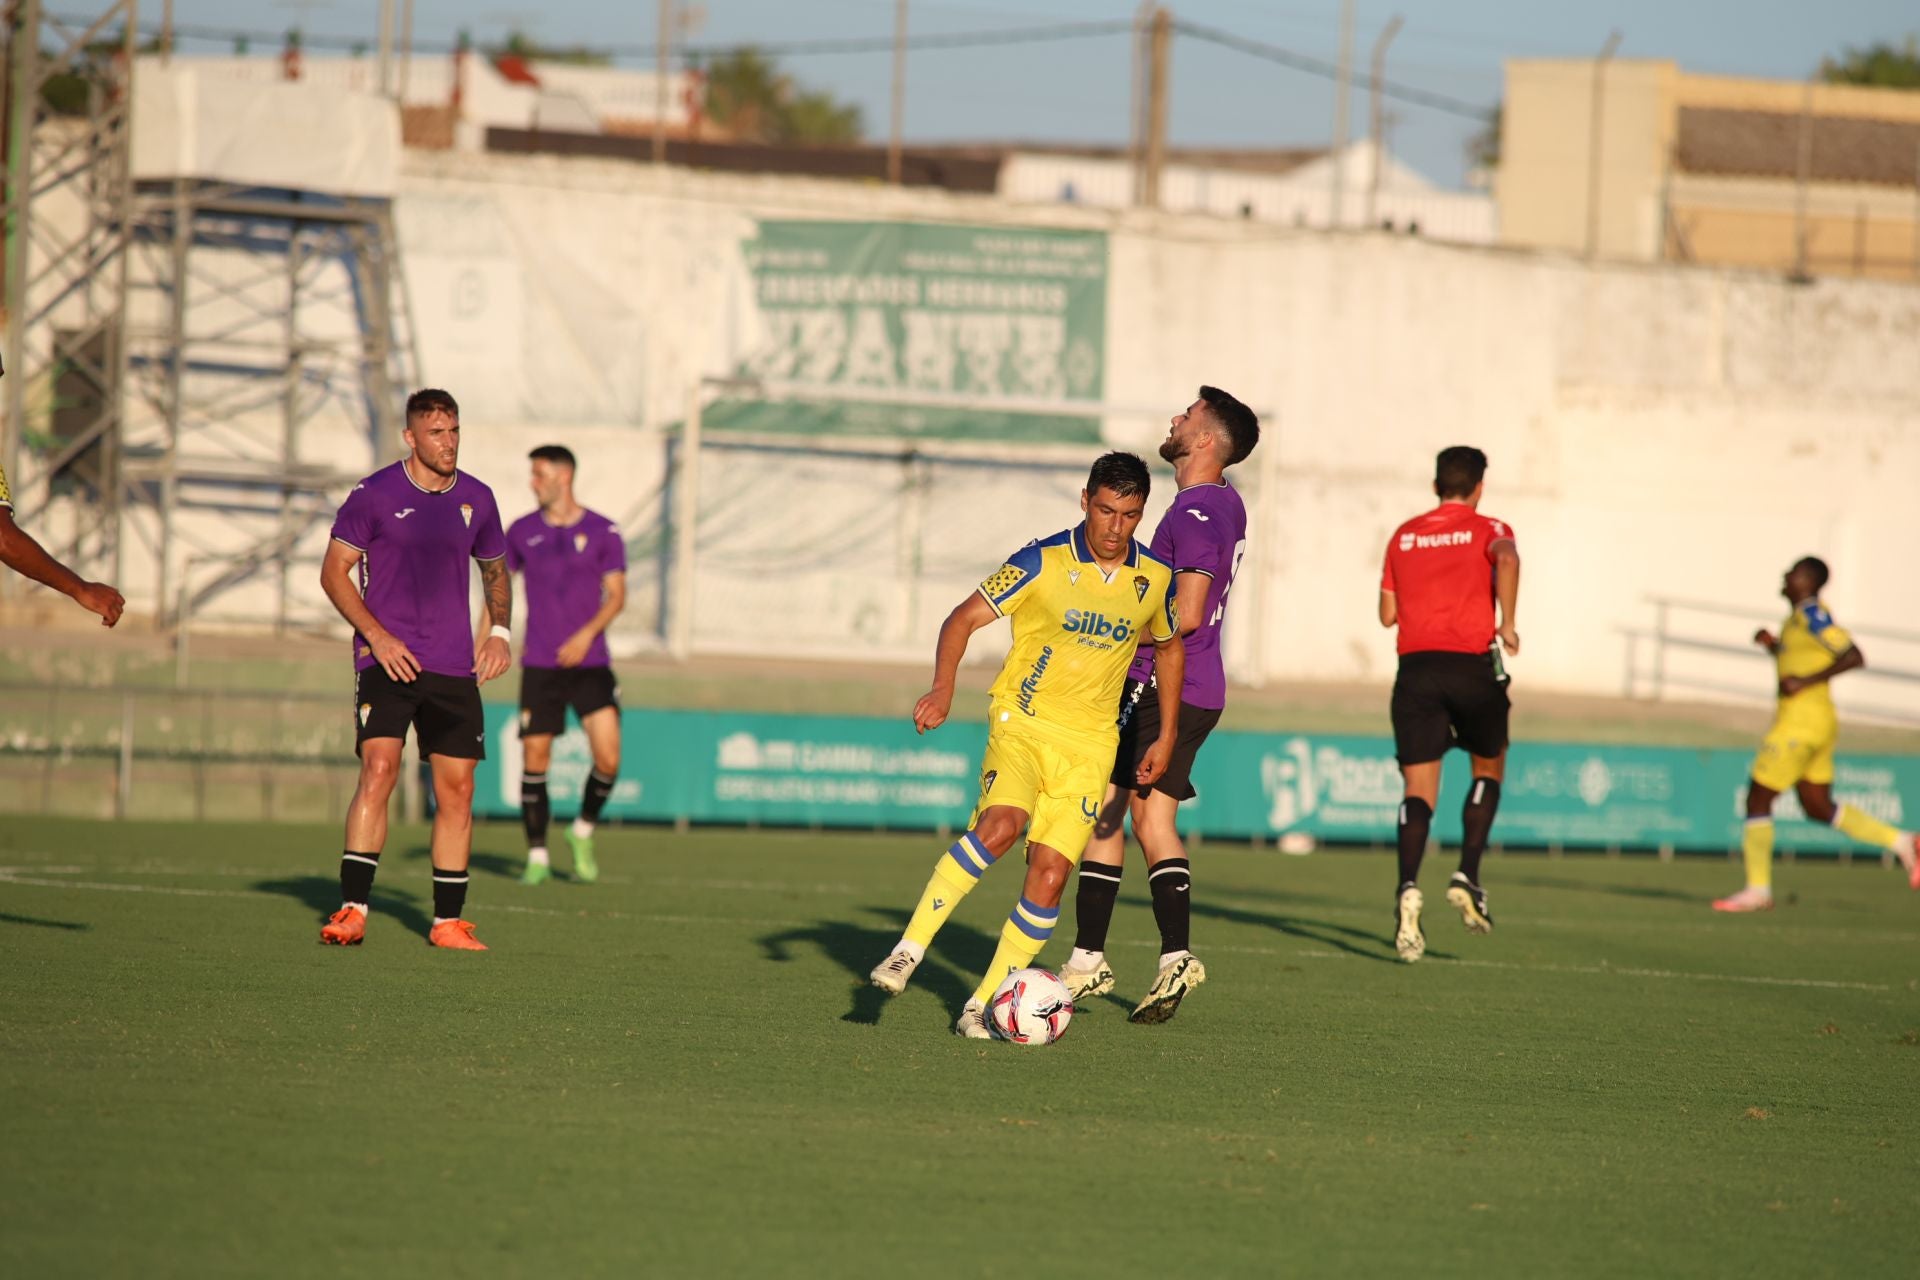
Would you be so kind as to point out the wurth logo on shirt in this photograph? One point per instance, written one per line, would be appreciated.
(1422, 541)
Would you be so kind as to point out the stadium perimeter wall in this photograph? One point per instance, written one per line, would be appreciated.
(1653, 430)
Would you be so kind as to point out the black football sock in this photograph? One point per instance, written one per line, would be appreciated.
(535, 810)
(449, 894)
(1171, 883)
(356, 875)
(1476, 821)
(1416, 816)
(1093, 905)
(594, 799)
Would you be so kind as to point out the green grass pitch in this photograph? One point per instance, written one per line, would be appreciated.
(680, 1072)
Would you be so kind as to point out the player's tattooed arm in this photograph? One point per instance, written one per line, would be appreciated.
(497, 584)
(491, 656)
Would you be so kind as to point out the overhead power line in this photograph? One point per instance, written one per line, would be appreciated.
(825, 46)
(773, 49)
(1327, 70)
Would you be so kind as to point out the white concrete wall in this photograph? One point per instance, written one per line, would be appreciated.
(1652, 431)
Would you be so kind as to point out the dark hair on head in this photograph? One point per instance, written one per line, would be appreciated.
(431, 400)
(555, 453)
(1241, 423)
(1458, 471)
(1123, 473)
(1816, 569)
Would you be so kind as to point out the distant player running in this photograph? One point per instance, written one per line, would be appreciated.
(21, 553)
(1077, 600)
(575, 565)
(410, 531)
(1444, 572)
(1797, 752)
(1203, 536)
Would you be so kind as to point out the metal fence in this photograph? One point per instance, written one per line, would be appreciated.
(1688, 650)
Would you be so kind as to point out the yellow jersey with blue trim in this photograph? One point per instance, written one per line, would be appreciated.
(1810, 641)
(1075, 629)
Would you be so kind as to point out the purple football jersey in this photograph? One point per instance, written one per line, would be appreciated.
(1204, 531)
(564, 567)
(414, 546)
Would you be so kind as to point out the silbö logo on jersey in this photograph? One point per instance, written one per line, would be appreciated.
(1031, 685)
(1093, 627)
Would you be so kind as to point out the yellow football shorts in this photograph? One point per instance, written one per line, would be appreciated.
(1794, 753)
(1059, 787)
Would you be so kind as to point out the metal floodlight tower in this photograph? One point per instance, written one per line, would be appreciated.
(68, 145)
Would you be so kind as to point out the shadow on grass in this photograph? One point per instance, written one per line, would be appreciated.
(72, 926)
(498, 865)
(1355, 942)
(960, 950)
(1618, 890)
(322, 895)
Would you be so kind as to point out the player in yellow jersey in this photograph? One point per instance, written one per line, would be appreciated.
(1079, 602)
(1797, 752)
(21, 553)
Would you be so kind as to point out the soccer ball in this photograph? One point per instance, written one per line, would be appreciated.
(1030, 1007)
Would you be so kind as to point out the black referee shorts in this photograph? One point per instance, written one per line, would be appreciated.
(1442, 700)
(444, 711)
(1140, 726)
(547, 692)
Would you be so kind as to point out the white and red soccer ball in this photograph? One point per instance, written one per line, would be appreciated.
(1031, 1007)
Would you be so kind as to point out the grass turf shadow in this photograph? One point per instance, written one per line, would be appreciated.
(71, 926)
(857, 948)
(1338, 936)
(322, 895)
(1617, 890)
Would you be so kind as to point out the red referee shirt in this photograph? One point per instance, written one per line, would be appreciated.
(1440, 571)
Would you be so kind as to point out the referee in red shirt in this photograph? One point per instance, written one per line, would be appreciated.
(1444, 571)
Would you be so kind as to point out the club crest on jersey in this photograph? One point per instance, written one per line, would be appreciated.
(1073, 577)
(466, 514)
(987, 780)
(579, 542)
(1140, 586)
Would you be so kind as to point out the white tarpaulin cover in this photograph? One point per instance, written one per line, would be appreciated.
(286, 134)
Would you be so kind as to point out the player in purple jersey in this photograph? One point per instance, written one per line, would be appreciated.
(1203, 535)
(397, 570)
(575, 563)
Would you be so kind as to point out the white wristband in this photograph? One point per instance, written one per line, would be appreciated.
(501, 633)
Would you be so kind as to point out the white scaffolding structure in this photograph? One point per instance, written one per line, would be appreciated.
(207, 335)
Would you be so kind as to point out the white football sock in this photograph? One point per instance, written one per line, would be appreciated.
(537, 855)
(1081, 960)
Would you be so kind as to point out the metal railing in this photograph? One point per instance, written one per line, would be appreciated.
(1677, 630)
(198, 753)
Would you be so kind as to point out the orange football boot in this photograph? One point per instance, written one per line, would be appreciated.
(457, 934)
(344, 928)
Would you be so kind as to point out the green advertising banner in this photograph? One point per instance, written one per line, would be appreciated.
(779, 770)
(1007, 313)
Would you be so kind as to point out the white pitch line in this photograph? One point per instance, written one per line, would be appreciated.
(9, 876)
(1609, 970)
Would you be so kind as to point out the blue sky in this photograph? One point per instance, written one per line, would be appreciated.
(1077, 90)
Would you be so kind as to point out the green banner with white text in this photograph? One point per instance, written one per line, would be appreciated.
(790, 770)
(1010, 313)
